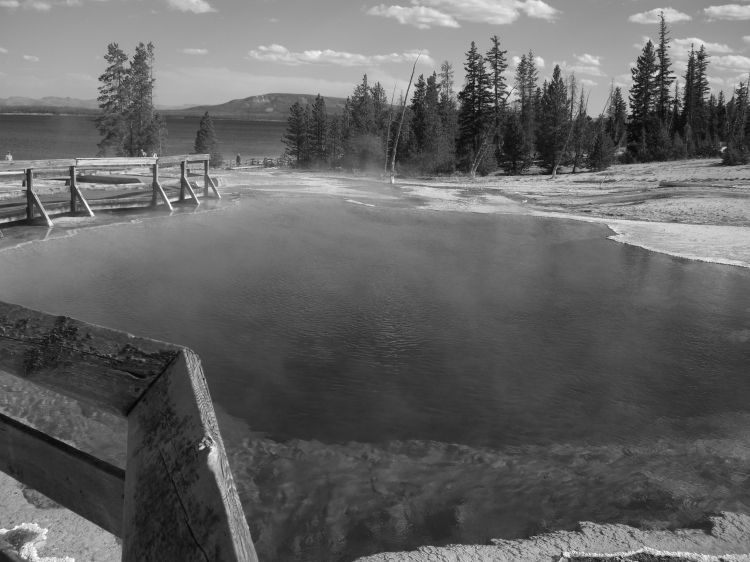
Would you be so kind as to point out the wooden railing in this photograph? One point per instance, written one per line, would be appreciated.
(35, 209)
(175, 499)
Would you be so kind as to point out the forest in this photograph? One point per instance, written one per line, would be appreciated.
(501, 123)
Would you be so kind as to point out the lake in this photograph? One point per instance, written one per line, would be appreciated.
(30, 137)
(388, 376)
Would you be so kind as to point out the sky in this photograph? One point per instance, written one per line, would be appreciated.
(212, 51)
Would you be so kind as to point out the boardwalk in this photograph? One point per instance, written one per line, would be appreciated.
(140, 187)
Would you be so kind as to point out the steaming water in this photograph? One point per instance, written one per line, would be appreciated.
(70, 136)
(389, 376)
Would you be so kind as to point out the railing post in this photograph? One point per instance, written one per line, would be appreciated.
(29, 196)
(155, 183)
(206, 178)
(183, 179)
(73, 198)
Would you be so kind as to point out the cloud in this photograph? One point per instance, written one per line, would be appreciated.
(420, 17)
(193, 51)
(588, 59)
(3, 51)
(539, 61)
(588, 69)
(40, 5)
(731, 62)
(30, 58)
(448, 13)
(9, 3)
(195, 6)
(681, 47)
(746, 38)
(282, 55)
(652, 16)
(587, 82)
(728, 12)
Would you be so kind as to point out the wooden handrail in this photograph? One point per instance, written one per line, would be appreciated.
(112, 162)
(176, 499)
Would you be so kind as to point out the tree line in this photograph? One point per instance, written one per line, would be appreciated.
(497, 121)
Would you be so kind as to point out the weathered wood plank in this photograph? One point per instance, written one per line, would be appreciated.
(173, 160)
(48, 164)
(100, 366)
(88, 486)
(180, 497)
(115, 162)
(160, 190)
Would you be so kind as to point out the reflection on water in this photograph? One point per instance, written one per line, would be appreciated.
(420, 377)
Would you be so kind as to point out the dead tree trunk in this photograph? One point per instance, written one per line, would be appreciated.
(401, 122)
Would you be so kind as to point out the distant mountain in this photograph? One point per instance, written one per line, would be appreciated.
(268, 107)
(49, 101)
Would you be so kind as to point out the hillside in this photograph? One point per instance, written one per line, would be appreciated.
(267, 107)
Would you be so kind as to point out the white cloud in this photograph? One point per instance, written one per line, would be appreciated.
(280, 54)
(493, 12)
(587, 82)
(731, 62)
(193, 51)
(9, 3)
(195, 6)
(588, 59)
(3, 51)
(539, 61)
(30, 58)
(746, 38)
(652, 16)
(420, 17)
(681, 47)
(588, 69)
(728, 12)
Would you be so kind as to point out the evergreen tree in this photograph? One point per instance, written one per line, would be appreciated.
(296, 137)
(113, 100)
(497, 63)
(738, 139)
(602, 152)
(475, 109)
(448, 110)
(529, 97)
(664, 77)
(142, 128)
(553, 120)
(516, 146)
(644, 124)
(318, 131)
(616, 117)
(206, 141)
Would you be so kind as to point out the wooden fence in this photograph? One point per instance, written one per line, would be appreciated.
(176, 499)
(34, 209)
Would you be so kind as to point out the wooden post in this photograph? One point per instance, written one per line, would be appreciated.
(183, 179)
(158, 191)
(180, 501)
(185, 185)
(32, 200)
(73, 198)
(76, 196)
(206, 179)
(29, 197)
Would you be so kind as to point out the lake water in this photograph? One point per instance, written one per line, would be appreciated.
(388, 376)
(31, 137)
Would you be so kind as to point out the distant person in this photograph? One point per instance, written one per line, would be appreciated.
(239, 160)
(9, 157)
(143, 152)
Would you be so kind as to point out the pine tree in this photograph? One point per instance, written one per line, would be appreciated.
(664, 77)
(553, 120)
(516, 146)
(738, 139)
(318, 131)
(616, 117)
(497, 63)
(206, 141)
(529, 96)
(296, 136)
(448, 110)
(113, 99)
(644, 125)
(474, 110)
(141, 130)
